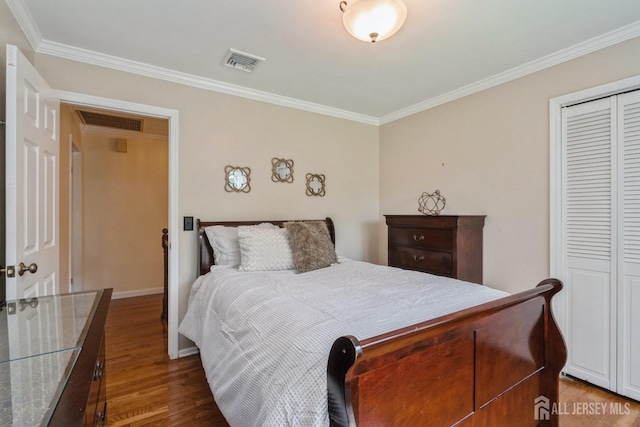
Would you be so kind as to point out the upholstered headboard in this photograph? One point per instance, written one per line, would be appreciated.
(205, 251)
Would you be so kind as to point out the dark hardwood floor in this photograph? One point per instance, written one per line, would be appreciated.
(145, 388)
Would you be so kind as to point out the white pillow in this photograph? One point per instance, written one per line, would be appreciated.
(224, 241)
(264, 249)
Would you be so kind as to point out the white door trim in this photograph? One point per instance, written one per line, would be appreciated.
(69, 284)
(75, 220)
(174, 224)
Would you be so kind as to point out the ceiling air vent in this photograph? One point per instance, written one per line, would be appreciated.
(241, 60)
(107, 120)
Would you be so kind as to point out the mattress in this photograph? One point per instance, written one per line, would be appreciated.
(265, 337)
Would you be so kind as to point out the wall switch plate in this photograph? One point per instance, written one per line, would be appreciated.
(188, 223)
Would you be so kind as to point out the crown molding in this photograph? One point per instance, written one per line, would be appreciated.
(25, 20)
(21, 12)
(608, 39)
(22, 15)
(90, 57)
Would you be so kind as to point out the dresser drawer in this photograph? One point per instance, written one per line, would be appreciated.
(425, 238)
(434, 262)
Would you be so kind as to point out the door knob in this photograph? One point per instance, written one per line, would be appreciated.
(22, 268)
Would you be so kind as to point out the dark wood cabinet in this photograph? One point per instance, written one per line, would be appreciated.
(446, 245)
(84, 401)
(96, 412)
(54, 359)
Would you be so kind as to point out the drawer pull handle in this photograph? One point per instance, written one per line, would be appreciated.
(418, 239)
(416, 258)
(97, 373)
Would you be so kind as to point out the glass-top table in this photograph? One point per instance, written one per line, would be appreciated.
(40, 339)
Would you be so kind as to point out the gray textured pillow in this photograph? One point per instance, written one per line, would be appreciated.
(311, 245)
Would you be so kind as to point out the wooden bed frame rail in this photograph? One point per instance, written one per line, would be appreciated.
(165, 298)
(493, 364)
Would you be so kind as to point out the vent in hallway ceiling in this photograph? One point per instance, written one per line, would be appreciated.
(241, 60)
(108, 120)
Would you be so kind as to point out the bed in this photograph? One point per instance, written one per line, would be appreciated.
(442, 358)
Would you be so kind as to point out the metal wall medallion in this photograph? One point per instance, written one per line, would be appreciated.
(315, 184)
(281, 170)
(236, 179)
(431, 204)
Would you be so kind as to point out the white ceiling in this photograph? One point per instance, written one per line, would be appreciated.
(446, 49)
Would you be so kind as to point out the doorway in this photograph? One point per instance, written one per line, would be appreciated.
(118, 200)
(117, 106)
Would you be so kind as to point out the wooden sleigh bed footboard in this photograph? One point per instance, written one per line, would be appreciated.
(493, 364)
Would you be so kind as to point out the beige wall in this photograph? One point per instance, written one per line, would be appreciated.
(216, 130)
(489, 154)
(10, 33)
(124, 200)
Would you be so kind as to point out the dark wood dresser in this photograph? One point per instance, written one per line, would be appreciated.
(446, 245)
(52, 369)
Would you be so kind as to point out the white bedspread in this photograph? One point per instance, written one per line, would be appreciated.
(265, 337)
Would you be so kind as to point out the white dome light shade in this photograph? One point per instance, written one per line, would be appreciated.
(373, 20)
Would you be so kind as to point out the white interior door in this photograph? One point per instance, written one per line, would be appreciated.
(32, 163)
(629, 245)
(588, 206)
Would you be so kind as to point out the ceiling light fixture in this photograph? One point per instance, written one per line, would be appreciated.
(373, 20)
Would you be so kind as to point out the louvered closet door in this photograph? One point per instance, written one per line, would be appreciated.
(629, 245)
(589, 205)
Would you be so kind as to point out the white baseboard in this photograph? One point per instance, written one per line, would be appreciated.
(139, 293)
(188, 351)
